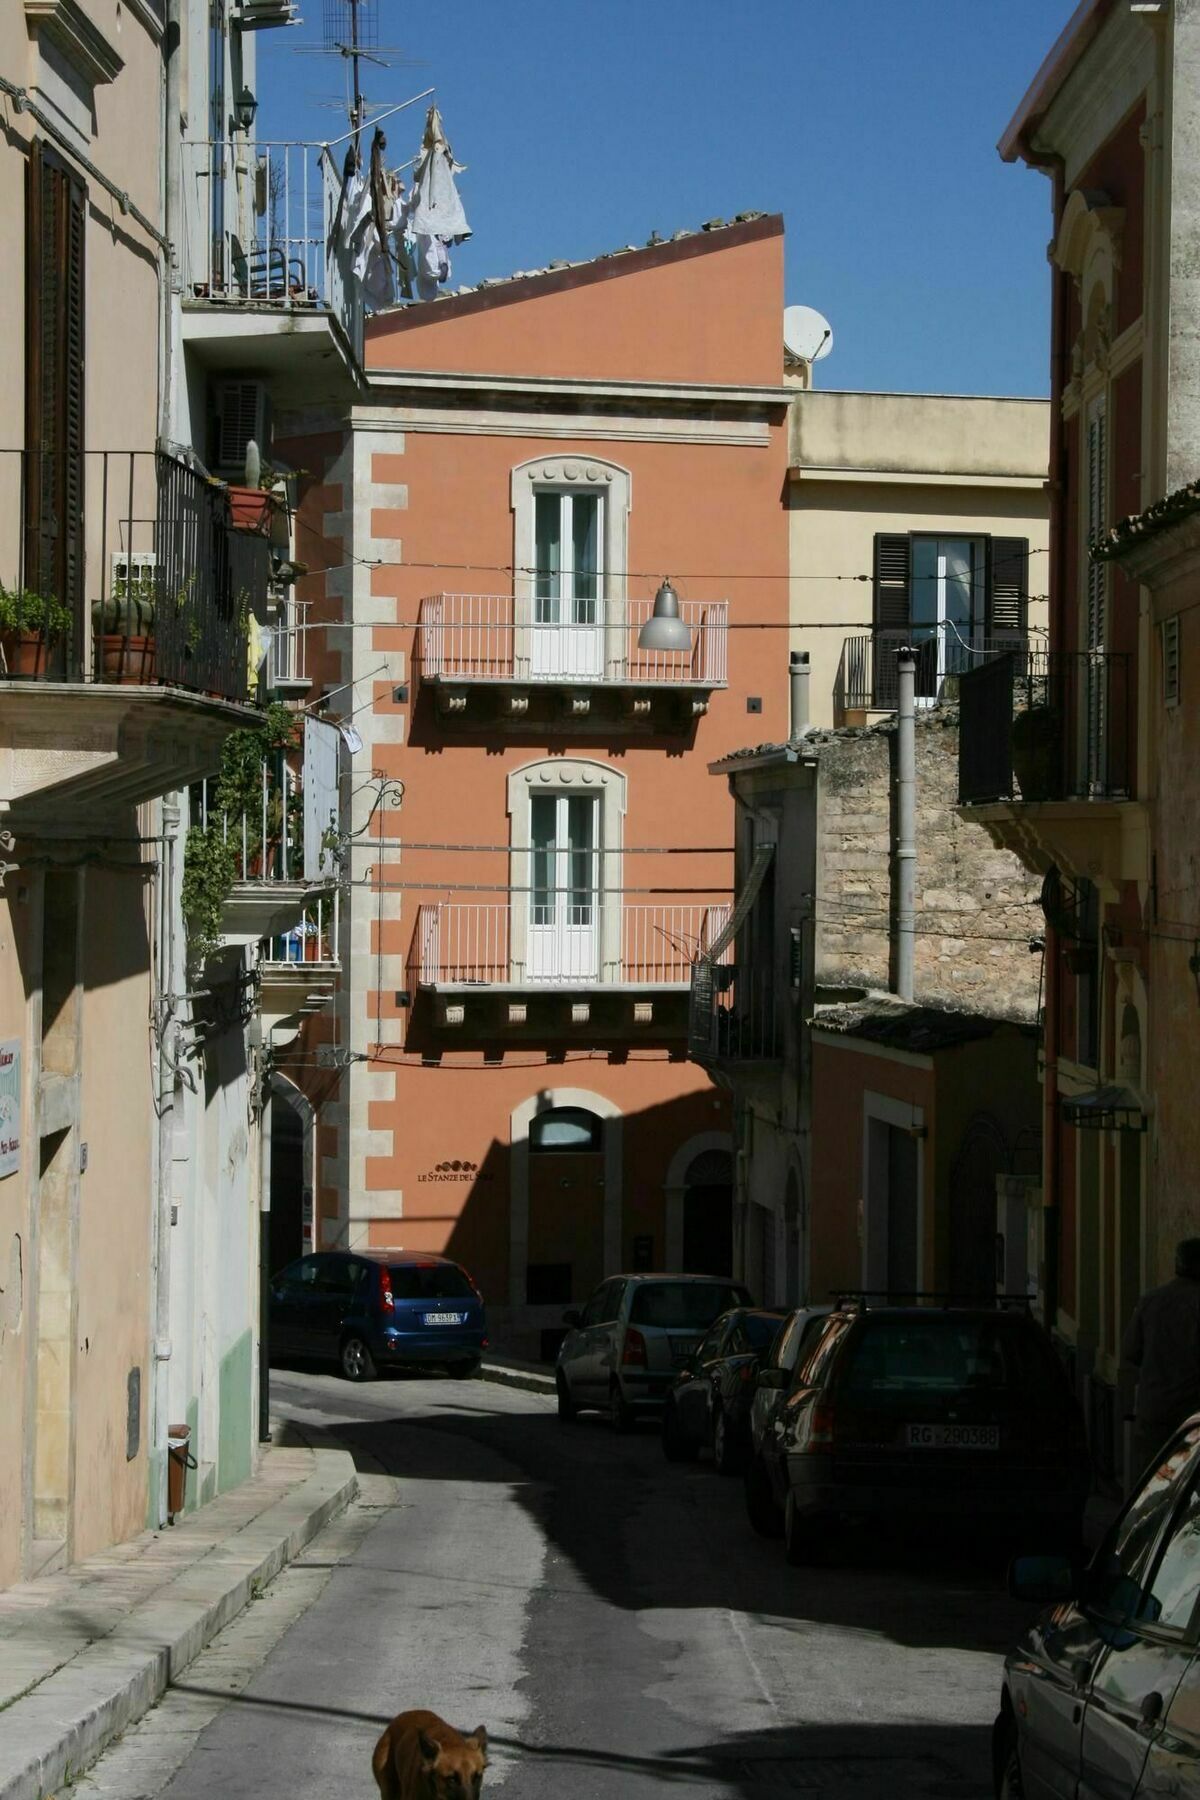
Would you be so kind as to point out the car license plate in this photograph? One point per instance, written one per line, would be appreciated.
(444, 1318)
(683, 1349)
(954, 1437)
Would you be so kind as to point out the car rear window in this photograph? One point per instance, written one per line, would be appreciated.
(429, 1281)
(689, 1305)
(943, 1355)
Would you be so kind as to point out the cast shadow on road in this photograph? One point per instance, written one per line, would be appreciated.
(930, 1761)
(645, 1535)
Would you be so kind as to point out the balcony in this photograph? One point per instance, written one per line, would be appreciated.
(1046, 760)
(125, 598)
(512, 657)
(735, 1018)
(867, 680)
(612, 966)
(298, 968)
(267, 281)
(287, 650)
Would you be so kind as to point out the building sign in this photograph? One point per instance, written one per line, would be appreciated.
(10, 1106)
(457, 1170)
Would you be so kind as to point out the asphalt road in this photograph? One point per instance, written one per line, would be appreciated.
(611, 1618)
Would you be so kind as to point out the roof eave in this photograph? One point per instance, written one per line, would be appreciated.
(1016, 141)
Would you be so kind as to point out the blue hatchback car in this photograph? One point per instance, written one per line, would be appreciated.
(373, 1309)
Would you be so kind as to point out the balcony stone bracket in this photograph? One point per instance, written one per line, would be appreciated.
(69, 752)
(1105, 841)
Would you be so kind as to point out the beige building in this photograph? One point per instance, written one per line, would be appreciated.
(912, 516)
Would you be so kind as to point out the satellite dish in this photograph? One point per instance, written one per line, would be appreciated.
(807, 333)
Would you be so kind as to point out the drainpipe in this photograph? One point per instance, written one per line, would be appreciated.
(167, 1041)
(906, 822)
(265, 1110)
(798, 674)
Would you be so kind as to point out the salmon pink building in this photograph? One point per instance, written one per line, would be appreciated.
(536, 854)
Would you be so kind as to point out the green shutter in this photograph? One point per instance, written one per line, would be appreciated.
(1008, 590)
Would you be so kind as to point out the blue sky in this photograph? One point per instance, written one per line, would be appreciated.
(870, 124)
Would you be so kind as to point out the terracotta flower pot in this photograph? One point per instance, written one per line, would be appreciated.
(25, 653)
(124, 661)
(250, 509)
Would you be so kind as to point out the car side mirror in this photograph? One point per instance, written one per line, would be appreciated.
(1042, 1580)
(573, 1317)
(773, 1378)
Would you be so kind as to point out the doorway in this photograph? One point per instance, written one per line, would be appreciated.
(564, 897)
(708, 1215)
(568, 629)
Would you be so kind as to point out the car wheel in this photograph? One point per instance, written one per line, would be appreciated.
(355, 1359)
(1007, 1761)
(620, 1413)
(676, 1447)
(462, 1371)
(761, 1509)
(727, 1456)
(566, 1406)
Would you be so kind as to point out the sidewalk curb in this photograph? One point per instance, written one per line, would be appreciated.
(532, 1380)
(59, 1727)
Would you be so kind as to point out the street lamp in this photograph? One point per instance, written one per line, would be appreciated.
(664, 629)
(244, 108)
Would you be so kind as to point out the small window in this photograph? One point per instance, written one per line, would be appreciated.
(1170, 661)
(565, 1130)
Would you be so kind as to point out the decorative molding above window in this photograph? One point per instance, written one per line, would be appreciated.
(79, 38)
(1088, 248)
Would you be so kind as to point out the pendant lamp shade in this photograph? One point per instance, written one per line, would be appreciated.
(664, 629)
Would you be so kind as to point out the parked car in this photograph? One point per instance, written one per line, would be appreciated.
(1102, 1695)
(375, 1309)
(708, 1403)
(770, 1390)
(621, 1353)
(907, 1414)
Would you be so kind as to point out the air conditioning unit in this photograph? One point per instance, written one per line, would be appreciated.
(242, 411)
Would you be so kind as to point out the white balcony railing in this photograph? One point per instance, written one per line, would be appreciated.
(313, 940)
(258, 230)
(501, 638)
(266, 834)
(287, 645)
(462, 943)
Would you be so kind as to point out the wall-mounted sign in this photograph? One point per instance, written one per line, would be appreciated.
(457, 1170)
(10, 1106)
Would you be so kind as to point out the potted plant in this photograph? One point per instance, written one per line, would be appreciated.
(260, 503)
(124, 630)
(1037, 751)
(31, 625)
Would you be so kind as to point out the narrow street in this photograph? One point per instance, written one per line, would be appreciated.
(610, 1618)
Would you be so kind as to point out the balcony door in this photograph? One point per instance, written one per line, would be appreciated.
(568, 625)
(947, 608)
(564, 893)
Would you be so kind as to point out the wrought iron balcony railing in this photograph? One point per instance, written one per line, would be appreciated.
(263, 230)
(867, 678)
(1047, 725)
(566, 943)
(516, 640)
(123, 567)
(736, 1014)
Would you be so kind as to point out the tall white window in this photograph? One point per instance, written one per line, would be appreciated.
(568, 626)
(564, 889)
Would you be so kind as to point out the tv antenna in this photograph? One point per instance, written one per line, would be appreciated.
(350, 29)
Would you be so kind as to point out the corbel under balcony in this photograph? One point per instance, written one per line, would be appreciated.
(69, 751)
(1104, 841)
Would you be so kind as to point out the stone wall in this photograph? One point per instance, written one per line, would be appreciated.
(976, 906)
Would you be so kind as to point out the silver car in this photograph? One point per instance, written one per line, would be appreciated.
(623, 1350)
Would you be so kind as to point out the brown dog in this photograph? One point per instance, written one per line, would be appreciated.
(420, 1757)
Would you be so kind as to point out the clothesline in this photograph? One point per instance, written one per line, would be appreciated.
(389, 232)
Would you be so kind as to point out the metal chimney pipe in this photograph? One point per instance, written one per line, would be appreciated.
(798, 673)
(906, 820)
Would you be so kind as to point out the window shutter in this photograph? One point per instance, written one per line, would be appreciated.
(1170, 661)
(892, 611)
(1008, 591)
(56, 229)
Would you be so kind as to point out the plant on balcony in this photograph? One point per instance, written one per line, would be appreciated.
(1036, 750)
(212, 852)
(124, 629)
(31, 625)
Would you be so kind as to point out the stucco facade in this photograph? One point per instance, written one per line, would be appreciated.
(944, 469)
(644, 391)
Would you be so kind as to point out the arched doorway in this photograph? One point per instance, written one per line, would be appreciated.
(566, 1206)
(708, 1214)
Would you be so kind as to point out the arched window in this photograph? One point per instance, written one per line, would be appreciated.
(565, 1130)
